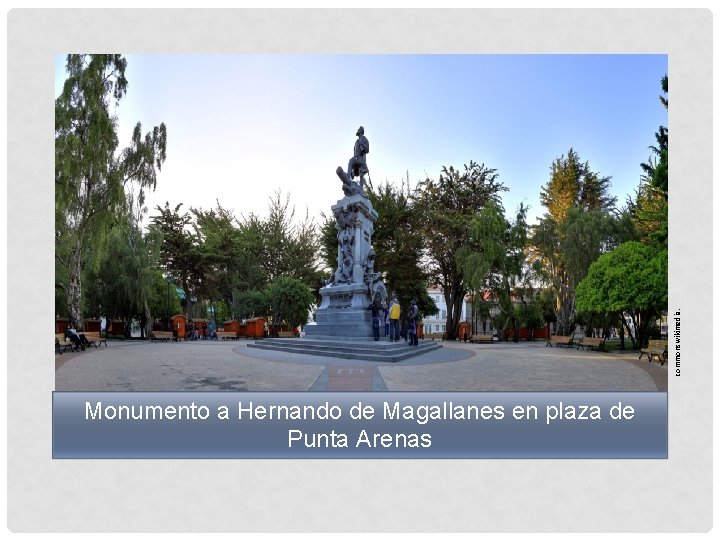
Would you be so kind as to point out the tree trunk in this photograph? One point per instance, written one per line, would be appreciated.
(625, 325)
(454, 296)
(148, 320)
(74, 291)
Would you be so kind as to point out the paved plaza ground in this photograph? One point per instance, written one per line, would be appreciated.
(232, 366)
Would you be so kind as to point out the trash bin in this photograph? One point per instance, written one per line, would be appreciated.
(464, 331)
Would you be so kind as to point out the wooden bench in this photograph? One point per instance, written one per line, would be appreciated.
(61, 345)
(226, 334)
(481, 338)
(435, 335)
(560, 341)
(590, 342)
(286, 334)
(656, 347)
(95, 338)
(159, 335)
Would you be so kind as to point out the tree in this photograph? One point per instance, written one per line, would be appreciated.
(91, 176)
(650, 207)
(531, 317)
(250, 303)
(446, 208)
(631, 280)
(572, 183)
(220, 245)
(492, 258)
(290, 300)
(573, 232)
(399, 247)
(290, 248)
(180, 252)
(126, 282)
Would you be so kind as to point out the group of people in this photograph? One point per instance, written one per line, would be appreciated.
(391, 317)
(195, 330)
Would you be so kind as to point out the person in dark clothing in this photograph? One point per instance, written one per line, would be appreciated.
(412, 324)
(375, 308)
(78, 340)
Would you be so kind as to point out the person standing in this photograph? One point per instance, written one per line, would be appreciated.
(375, 309)
(386, 320)
(412, 324)
(394, 316)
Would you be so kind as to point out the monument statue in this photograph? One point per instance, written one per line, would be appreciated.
(357, 166)
(376, 287)
(356, 282)
(346, 261)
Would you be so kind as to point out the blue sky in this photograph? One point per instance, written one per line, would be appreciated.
(241, 127)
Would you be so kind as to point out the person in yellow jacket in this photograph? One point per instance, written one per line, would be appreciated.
(394, 316)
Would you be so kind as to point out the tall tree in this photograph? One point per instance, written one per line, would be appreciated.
(572, 183)
(220, 246)
(446, 208)
(492, 259)
(650, 207)
(399, 247)
(91, 176)
(290, 247)
(572, 233)
(180, 253)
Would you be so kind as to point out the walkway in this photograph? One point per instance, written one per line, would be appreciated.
(228, 365)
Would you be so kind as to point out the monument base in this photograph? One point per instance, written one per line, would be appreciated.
(343, 313)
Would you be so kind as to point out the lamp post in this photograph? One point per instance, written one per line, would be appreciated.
(167, 303)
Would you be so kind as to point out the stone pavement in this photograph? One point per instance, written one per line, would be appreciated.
(231, 365)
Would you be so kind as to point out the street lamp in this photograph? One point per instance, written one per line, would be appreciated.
(167, 303)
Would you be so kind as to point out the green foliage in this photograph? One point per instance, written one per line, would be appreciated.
(399, 247)
(180, 257)
(90, 174)
(328, 243)
(446, 208)
(530, 316)
(572, 183)
(290, 301)
(650, 207)
(290, 248)
(578, 226)
(251, 303)
(126, 283)
(493, 254)
(631, 279)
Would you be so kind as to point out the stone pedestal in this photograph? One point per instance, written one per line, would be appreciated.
(343, 310)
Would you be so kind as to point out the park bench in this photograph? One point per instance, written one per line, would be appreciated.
(560, 341)
(481, 338)
(159, 335)
(656, 347)
(590, 342)
(286, 334)
(95, 338)
(435, 335)
(61, 345)
(226, 334)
